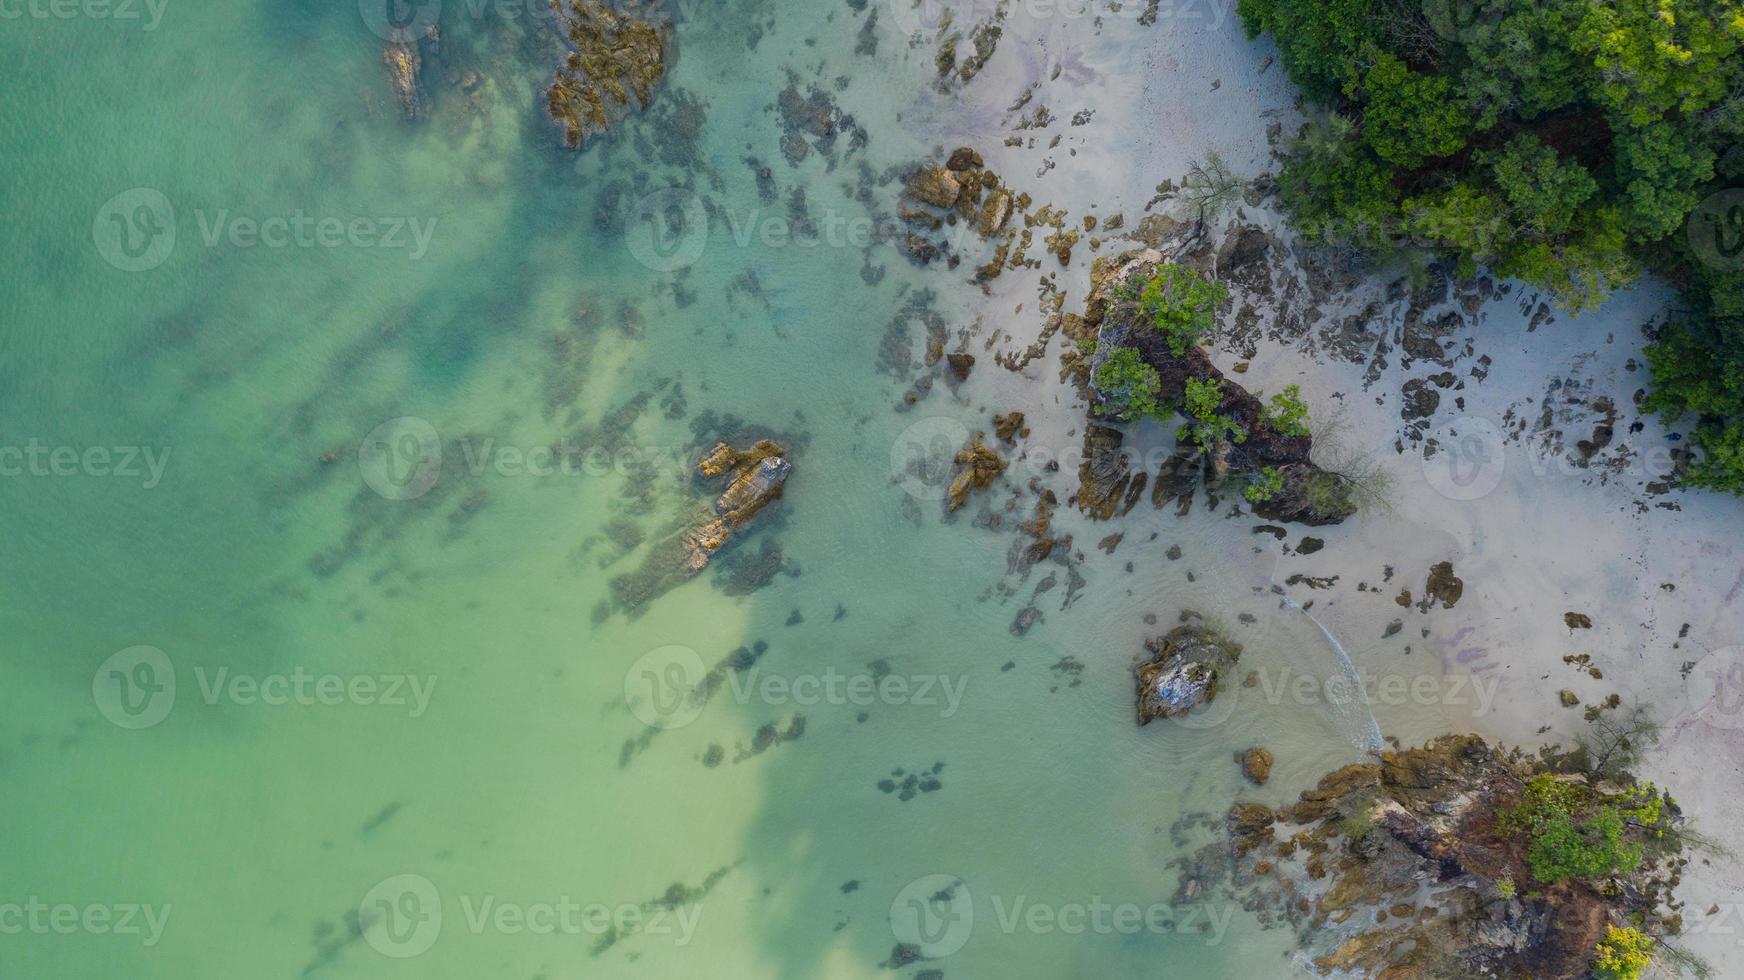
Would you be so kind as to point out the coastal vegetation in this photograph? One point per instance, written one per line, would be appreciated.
(1572, 144)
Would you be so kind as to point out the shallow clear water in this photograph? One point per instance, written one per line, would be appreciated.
(272, 544)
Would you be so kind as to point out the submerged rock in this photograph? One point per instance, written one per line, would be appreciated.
(1443, 585)
(1182, 671)
(404, 65)
(1256, 764)
(615, 62)
(936, 186)
(755, 478)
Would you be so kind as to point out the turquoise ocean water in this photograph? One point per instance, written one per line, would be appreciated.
(484, 792)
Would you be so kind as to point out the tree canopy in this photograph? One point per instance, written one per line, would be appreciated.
(1572, 144)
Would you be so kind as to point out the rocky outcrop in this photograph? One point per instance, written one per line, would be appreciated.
(404, 65)
(1420, 865)
(936, 186)
(1107, 485)
(615, 62)
(961, 193)
(1113, 319)
(755, 477)
(1182, 671)
(977, 468)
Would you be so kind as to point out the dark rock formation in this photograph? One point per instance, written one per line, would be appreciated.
(755, 477)
(404, 65)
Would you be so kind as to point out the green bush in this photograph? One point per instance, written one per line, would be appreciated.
(1624, 954)
(1573, 835)
(1264, 485)
(1129, 385)
(1591, 848)
(1206, 425)
(1287, 413)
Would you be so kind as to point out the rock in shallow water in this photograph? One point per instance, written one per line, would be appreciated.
(1183, 671)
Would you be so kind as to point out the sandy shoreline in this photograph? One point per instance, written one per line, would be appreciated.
(1533, 529)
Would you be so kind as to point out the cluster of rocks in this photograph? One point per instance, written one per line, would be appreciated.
(755, 477)
(616, 59)
(405, 67)
(961, 193)
(1405, 868)
(977, 467)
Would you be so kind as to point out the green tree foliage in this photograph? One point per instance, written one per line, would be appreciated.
(1264, 485)
(1572, 834)
(1181, 304)
(1200, 403)
(1288, 413)
(1562, 142)
(1129, 385)
(1624, 954)
(1409, 116)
